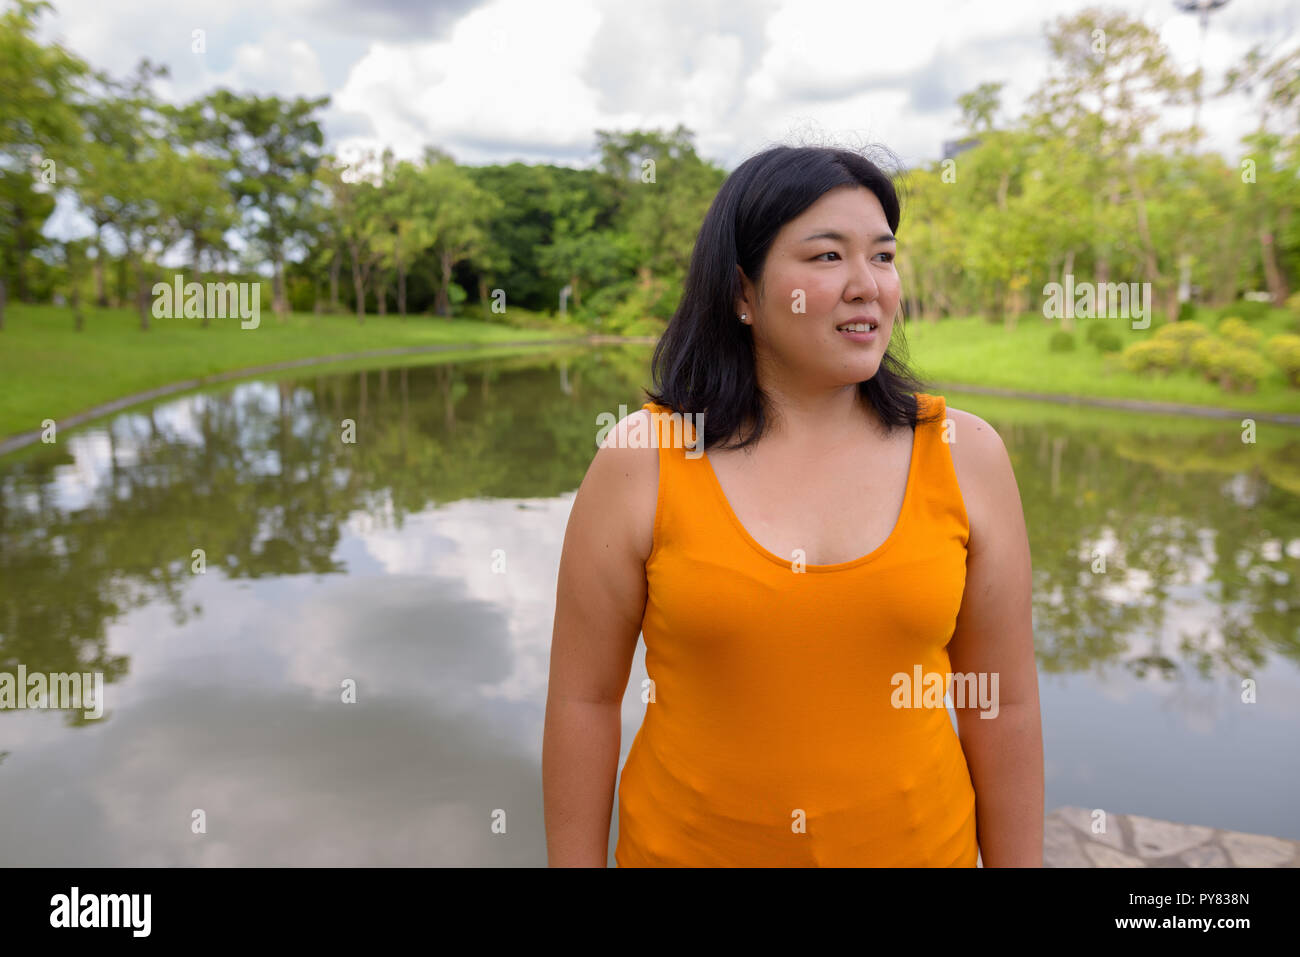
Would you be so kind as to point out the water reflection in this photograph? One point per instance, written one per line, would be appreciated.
(417, 565)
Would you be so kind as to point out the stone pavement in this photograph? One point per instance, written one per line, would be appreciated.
(1133, 841)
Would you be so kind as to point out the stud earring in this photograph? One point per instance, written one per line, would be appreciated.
(743, 315)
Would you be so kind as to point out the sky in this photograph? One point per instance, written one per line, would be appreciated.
(493, 81)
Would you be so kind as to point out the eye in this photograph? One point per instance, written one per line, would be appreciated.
(889, 257)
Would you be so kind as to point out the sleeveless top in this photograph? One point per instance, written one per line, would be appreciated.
(773, 731)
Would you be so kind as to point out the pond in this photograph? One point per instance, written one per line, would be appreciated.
(328, 652)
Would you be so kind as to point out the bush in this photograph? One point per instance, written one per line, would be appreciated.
(1234, 330)
(1233, 367)
(1107, 341)
(640, 303)
(1155, 354)
(1186, 311)
(1093, 329)
(1182, 336)
(1284, 350)
(1061, 341)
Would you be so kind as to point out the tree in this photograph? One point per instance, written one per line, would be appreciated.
(271, 148)
(119, 175)
(1113, 73)
(460, 218)
(39, 132)
(1269, 180)
(660, 214)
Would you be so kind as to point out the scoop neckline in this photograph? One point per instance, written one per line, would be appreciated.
(837, 566)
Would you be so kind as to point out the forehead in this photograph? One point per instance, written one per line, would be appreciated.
(852, 210)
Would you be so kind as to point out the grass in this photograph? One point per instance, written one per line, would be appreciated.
(48, 370)
(975, 352)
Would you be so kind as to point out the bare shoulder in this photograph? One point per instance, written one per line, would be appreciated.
(623, 479)
(984, 471)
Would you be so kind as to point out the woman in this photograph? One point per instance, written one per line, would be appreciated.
(807, 586)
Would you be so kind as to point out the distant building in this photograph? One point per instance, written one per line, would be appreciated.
(952, 147)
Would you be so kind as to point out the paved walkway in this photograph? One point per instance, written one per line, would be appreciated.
(1133, 841)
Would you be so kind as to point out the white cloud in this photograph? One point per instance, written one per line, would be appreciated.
(513, 79)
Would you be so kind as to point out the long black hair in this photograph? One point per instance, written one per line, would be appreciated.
(704, 361)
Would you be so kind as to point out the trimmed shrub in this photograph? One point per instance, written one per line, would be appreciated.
(1107, 341)
(1061, 341)
(1284, 350)
(1234, 368)
(1153, 355)
(1234, 329)
(1181, 335)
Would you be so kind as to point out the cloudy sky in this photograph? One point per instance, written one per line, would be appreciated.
(531, 80)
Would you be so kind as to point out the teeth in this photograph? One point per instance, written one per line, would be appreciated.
(857, 327)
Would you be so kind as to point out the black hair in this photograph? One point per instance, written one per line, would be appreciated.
(704, 361)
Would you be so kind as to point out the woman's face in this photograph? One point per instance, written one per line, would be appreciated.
(831, 265)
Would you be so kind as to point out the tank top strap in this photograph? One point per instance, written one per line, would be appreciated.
(937, 499)
(686, 508)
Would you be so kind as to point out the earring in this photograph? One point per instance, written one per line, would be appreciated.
(743, 315)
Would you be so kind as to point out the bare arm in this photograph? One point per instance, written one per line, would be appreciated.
(994, 635)
(599, 603)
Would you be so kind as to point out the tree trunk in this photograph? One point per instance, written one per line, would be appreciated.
(335, 262)
(1272, 274)
(381, 292)
(358, 287)
(444, 288)
(101, 294)
(141, 293)
(401, 285)
(197, 265)
(279, 302)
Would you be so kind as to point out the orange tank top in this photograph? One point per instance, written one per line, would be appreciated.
(777, 732)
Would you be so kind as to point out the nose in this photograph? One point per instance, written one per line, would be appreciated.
(862, 283)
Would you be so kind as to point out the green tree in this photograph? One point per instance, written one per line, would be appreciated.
(272, 148)
(1270, 194)
(39, 132)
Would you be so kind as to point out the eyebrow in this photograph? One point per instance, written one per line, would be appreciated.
(832, 234)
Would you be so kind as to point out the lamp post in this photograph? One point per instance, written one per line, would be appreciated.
(1203, 9)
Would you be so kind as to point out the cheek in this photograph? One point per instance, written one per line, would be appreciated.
(817, 294)
(892, 283)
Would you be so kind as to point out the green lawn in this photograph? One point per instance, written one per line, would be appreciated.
(973, 351)
(47, 370)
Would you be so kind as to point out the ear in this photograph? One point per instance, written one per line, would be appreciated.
(745, 301)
